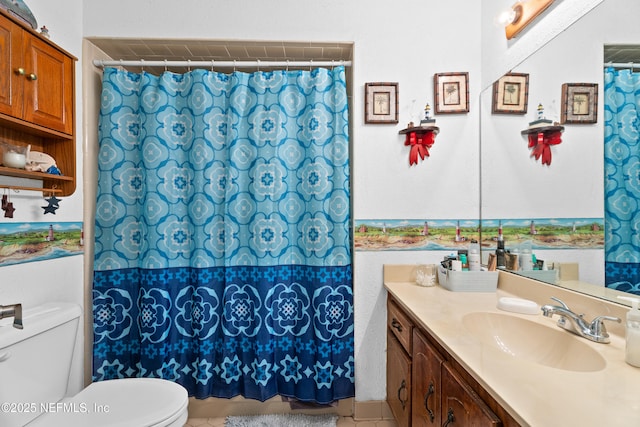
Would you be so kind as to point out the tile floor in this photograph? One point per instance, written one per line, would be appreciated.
(342, 422)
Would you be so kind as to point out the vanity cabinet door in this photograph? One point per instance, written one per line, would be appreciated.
(398, 381)
(426, 377)
(461, 406)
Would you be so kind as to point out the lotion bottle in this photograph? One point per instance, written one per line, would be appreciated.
(474, 256)
(632, 332)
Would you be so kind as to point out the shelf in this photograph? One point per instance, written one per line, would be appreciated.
(21, 173)
(420, 129)
(543, 129)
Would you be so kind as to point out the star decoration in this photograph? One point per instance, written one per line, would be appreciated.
(8, 210)
(54, 204)
(53, 200)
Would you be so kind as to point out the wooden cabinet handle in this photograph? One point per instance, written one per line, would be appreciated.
(396, 325)
(403, 386)
(430, 393)
(20, 71)
(32, 77)
(450, 418)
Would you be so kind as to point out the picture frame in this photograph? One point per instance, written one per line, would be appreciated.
(381, 103)
(451, 93)
(579, 103)
(511, 94)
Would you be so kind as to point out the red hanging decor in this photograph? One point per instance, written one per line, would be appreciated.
(420, 142)
(541, 142)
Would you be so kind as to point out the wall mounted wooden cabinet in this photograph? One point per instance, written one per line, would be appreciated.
(37, 95)
(439, 391)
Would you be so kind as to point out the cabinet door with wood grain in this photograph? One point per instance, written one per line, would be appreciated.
(426, 375)
(461, 406)
(398, 381)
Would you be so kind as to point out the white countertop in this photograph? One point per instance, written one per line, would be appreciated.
(533, 394)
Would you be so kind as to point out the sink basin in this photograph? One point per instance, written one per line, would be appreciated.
(534, 342)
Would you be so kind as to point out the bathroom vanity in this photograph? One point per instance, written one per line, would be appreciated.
(454, 358)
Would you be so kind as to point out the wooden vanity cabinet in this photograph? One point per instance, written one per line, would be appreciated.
(442, 392)
(37, 93)
(399, 348)
(461, 406)
(427, 383)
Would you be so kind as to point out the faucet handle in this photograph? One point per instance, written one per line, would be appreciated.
(559, 301)
(597, 325)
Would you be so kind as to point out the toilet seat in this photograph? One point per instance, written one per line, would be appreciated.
(131, 402)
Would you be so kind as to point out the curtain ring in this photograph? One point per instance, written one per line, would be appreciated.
(142, 65)
(234, 65)
(310, 64)
(189, 65)
(212, 63)
(631, 66)
(287, 65)
(121, 64)
(258, 66)
(165, 65)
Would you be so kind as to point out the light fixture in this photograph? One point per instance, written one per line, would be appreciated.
(521, 15)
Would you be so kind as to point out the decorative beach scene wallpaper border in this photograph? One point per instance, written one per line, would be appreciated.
(442, 234)
(22, 242)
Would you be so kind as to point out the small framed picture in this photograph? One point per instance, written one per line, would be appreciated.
(579, 103)
(451, 92)
(511, 94)
(381, 103)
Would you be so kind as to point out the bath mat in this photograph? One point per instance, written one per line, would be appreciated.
(285, 420)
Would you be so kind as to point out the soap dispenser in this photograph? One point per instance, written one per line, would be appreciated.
(632, 352)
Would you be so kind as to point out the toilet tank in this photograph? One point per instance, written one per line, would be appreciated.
(35, 362)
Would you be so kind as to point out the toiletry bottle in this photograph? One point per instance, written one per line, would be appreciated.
(526, 260)
(474, 256)
(632, 351)
(465, 263)
(501, 261)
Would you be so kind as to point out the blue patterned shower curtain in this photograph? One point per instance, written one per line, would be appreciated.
(622, 179)
(223, 244)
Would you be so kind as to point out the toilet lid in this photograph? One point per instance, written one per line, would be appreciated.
(140, 402)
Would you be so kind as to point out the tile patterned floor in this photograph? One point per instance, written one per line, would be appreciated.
(342, 422)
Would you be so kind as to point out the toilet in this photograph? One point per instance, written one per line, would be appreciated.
(35, 364)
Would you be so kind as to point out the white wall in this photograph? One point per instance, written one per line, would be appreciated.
(60, 279)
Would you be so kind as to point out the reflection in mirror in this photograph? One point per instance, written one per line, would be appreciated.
(517, 189)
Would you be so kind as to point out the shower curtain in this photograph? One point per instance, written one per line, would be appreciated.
(223, 244)
(622, 179)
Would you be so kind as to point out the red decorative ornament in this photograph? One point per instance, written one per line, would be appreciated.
(541, 142)
(420, 143)
(420, 139)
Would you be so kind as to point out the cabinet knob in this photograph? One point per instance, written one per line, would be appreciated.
(20, 71)
(32, 77)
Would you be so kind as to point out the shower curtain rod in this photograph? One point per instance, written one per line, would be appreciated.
(213, 63)
(622, 65)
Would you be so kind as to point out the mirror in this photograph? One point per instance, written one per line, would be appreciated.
(514, 186)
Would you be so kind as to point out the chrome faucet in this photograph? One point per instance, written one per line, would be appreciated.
(13, 310)
(575, 323)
